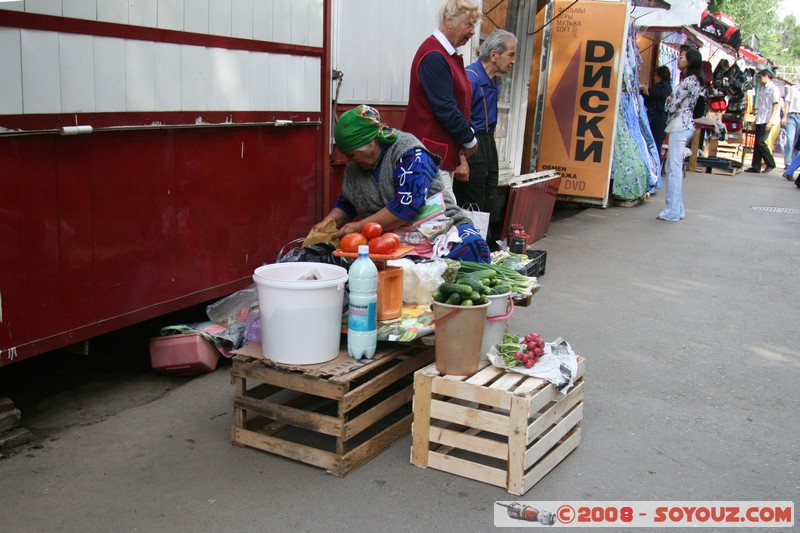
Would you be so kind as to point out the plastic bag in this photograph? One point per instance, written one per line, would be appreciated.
(316, 253)
(232, 312)
(252, 327)
(420, 279)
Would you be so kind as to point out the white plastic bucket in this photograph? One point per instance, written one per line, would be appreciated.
(501, 307)
(301, 320)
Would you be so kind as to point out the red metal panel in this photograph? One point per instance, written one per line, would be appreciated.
(76, 277)
(106, 230)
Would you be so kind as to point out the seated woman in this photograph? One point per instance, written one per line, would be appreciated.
(389, 178)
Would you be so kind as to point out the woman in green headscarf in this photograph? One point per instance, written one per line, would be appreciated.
(390, 176)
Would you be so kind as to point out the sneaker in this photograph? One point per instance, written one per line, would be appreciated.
(787, 176)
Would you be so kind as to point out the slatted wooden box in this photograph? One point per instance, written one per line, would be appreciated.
(499, 427)
(333, 422)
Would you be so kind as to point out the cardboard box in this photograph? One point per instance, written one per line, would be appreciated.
(186, 354)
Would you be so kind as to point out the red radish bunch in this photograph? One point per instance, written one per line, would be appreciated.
(521, 350)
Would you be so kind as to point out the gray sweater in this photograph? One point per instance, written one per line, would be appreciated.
(368, 197)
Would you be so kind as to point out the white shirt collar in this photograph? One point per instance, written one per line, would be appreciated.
(442, 39)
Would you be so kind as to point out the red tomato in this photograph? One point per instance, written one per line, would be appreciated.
(382, 245)
(350, 242)
(394, 237)
(371, 230)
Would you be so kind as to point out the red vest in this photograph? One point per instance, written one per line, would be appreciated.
(420, 120)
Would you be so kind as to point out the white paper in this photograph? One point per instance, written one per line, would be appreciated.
(558, 364)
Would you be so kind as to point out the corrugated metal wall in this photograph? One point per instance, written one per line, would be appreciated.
(365, 44)
(54, 72)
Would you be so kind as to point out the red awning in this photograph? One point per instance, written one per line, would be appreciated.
(752, 56)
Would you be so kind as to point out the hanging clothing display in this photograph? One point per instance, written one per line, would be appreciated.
(635, 160)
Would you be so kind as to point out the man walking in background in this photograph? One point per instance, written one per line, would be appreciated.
(767, 115)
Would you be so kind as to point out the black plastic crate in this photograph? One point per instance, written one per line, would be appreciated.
(538, 262)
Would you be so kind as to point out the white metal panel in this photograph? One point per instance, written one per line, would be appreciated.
(170, 14)
(44, 7)
(80, 9)
(196, 16)
(382, 76)
(139, 76)
(76, 61)
(260, 99)
(41, 86)
(299, 22)
(113, 11)
(109, 74)
(11, 80)
(296, 84)
(193, 75)
(389, 79)
(143, 13)
(316, 22)
(282, 22)
(242, 19)
(313, 79)
(228, 86)
(17, 5)
(167, 76)
(263, 19)
(219, 17)
(278, 86)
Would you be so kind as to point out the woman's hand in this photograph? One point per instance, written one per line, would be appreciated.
(319, 227)
(350, 227)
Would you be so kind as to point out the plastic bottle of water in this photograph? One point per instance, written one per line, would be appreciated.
(362, 315)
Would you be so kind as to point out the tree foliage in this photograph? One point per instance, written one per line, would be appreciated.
(779, 39)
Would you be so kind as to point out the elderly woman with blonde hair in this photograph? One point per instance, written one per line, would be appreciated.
(439, 95)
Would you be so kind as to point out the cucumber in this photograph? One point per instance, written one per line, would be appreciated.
(455, 288)
(476, 285)
(474, 296)
(453, 299)
(501, 289)
(439, 297)
(466, 303)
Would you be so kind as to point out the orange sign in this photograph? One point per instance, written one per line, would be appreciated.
(580, 106)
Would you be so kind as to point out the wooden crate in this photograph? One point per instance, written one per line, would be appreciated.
(502, 428)
(333, 422)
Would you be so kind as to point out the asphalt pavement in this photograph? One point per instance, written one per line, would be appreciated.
(691, 336)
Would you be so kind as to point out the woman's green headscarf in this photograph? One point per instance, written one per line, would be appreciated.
(359, 126)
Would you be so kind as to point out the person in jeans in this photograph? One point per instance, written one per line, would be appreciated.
(792, 168)
(791, 121)
(680, 126)
(767, 115)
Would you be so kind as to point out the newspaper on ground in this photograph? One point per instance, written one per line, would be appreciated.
(558, 364)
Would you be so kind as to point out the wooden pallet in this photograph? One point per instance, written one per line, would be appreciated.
(333, 422)
(726, 172)
(498, 427)
(629, 203)
(11, 434)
